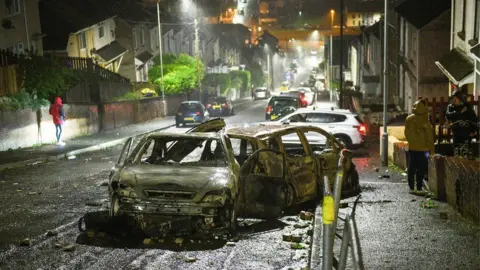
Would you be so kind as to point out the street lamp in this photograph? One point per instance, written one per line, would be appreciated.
(385, 87)
(160, 48)
(332, 13)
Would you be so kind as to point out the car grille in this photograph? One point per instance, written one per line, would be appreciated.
(167, 194)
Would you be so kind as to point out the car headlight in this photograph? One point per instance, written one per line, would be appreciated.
(126, 191)
(215, 196)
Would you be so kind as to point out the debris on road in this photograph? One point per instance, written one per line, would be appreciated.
(230, 244)
(93, 203)
(297, 246)
(179, 241)
(71, 157)
(104, 184)
(52, 233)
(443, 215)
(25, 242)
(343, 205)
(34, 193)
(429, 204)
(296, 238)
(147, 241)
(190, 259)
(300, 225)
(306, 215)
(287, 237)
(69, 247)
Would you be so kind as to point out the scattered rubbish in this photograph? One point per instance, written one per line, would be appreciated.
(110, 162)
(230, 244)
(306, 215)
(300, 225)
(343, 205)
(297, 246)
(91, 234)
(71, 157)
(19, 190)
(105, 158)
(104, 184)
(36, 163)
(93, 203)
(386, 171)
(385, 176)
(69, 247)
(52, 233)
(291, 219)
(404, 174)
(212, 263)
(375, 169)
(190, 259)
(25, 242)
(179, 241)
(443, 215)
(296, 238)
(287, 237)
(310, 232)
(59, 245)
(33, 193)
(429, 204)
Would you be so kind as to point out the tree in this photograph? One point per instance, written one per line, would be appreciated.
(244, 76)
(179, 73)
(45, 77)
(222, 80)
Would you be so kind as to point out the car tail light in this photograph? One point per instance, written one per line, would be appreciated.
(269, 109)
(179, 113)
(225, 105)
(362, 129)
(198, 113)
(208, 106)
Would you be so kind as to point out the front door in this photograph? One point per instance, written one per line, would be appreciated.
(262, 187)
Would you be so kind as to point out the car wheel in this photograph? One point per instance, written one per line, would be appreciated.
(344, 140)
(290, 196)
(114, 205)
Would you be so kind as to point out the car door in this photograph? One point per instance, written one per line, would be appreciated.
(121, 159)
(300, 165)
(262, 189)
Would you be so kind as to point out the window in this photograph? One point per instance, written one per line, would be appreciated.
(353, 16)
(82, 40)
(142, 36)
(413, 47)
(464, 17)
(12, 6)
(135, 45)
(101, 30)
(293, 145)
(241, 147)
(17, 48)
(477, 21)
(317, 141)
(325, 118)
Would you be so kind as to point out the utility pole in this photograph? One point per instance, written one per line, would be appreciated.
(160, 50)
(340, 84)
(385, 87)
(330, 71)
(197, 57)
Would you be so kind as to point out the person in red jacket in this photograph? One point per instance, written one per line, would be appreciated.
(58, 116)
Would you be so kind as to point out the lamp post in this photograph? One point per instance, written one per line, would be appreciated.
(160, 49)
(385, 87)
(197, 57)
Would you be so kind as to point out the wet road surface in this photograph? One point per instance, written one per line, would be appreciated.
(53, 196)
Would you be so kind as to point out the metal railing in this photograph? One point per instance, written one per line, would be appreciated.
(330, 209)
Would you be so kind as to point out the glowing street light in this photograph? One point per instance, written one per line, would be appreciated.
(332, 13)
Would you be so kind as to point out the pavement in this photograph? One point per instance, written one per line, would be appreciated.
(95, 142)
(396, 231)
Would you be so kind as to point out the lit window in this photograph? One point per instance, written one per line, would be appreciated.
(142, 36)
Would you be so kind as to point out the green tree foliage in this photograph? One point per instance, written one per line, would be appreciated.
(244, 76)
(45, 77)
(179, 73)
(237, 83)
(321, 65)
(218, 79)
(258, 77)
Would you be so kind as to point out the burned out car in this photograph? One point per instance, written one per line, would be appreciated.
(171, 179)
(299, 155)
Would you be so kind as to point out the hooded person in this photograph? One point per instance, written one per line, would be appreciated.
(419, 134)
(58, 116)
(464, 123)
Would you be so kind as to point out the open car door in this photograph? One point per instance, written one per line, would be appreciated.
(262, 185)
(123, 156)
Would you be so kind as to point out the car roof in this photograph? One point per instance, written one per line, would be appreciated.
(204, 135)
(191, 101)
(325, 110)
(262, 131)
(284, 97)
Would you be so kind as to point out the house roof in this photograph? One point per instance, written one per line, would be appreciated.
(144, 57)
(373, 29)
(60, 18)
(371, 6)
(420, 12)
(456, 65)
(111, 51)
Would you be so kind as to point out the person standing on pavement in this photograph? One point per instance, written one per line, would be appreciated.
(58, 117)
(463, 122)
(419, 134)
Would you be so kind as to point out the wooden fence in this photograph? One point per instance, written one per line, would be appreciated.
(437, 109)
(10, 81)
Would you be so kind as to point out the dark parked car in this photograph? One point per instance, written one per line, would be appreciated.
(280, 106)
(220, 106)
(191, 112)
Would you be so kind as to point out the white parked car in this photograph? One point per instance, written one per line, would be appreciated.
(344, 125)
(261, 93)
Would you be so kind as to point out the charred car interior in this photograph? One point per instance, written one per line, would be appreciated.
(208, 177)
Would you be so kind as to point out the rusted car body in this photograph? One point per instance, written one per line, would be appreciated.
(253, 171)
(301, 156)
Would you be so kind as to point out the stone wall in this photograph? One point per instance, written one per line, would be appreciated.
(25, 128)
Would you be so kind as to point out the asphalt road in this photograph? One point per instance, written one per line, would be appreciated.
(53, 196)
